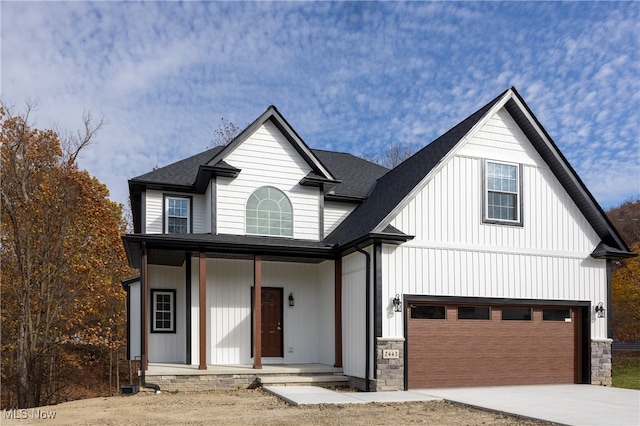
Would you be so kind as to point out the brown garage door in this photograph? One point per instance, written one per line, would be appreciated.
(455, 345)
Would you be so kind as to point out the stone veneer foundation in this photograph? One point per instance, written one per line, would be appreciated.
(389, 371)
(601, 362)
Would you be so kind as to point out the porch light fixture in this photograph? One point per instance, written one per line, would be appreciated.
(397, 304)
(599, 309)
(291, 300)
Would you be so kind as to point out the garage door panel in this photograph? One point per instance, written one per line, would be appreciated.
(456, 352)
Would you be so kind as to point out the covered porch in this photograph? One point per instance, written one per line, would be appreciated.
(225, 331)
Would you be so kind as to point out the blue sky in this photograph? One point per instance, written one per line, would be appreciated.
(352, 77)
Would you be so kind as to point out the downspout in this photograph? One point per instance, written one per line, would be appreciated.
(367, 321)
(144, 301)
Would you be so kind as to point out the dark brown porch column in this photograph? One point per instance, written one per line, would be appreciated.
(257, 312)
(202, 299)
(337, 280)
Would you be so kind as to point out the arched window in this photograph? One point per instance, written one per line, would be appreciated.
(269, 212)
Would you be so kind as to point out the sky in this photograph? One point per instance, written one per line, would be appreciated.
(348, 76)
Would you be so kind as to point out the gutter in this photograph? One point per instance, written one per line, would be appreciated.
(367, 320)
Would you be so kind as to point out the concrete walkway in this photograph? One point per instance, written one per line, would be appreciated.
(563, 404)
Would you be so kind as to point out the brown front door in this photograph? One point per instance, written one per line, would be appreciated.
(272, 322)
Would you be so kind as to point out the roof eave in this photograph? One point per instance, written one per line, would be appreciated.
(603, 251)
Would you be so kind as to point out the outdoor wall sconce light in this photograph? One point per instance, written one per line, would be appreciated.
(397, 304)
(292, 301)
(599, 308)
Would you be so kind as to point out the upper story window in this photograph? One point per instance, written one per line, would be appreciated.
(502, 196)
(269, 212)
(177, 215)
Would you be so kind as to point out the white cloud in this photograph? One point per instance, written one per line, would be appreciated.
(348, 76)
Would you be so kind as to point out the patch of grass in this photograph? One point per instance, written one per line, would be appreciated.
(626, 370)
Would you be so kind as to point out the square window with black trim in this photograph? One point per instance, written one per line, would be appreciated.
(428, 312)
(474, 312)
(163, 311)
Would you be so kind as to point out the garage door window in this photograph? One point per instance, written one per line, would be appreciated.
(516, 313)
(556, 315)
(474, 312)
(428, 312)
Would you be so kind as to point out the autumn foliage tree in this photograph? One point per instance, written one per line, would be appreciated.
(62, 261)
(625, 278)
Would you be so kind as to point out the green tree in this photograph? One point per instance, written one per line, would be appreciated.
(61, 260)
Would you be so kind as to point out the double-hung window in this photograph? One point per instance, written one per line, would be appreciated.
(163, 311)
(177, 215)
(502, 196)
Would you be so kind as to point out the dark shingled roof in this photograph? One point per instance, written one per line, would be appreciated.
(357, 175)
(393, 187)
(180, 173)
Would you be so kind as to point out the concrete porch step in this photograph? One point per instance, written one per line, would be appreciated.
(301, 380)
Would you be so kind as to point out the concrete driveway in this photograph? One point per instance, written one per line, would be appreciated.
(564, 404)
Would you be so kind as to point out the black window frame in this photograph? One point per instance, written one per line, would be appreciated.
(165, 212)
(172, 319)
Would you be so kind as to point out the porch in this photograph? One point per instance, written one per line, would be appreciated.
(185, 378)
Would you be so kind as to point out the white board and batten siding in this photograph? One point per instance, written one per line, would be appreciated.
(154, 209)
(455, 254)
(307, 327)
(353, 314)
(266, 158)
(169, 347)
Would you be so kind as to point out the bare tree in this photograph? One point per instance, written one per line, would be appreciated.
(393, 155)
(224, 133)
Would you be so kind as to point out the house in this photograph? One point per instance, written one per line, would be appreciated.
(481, 260)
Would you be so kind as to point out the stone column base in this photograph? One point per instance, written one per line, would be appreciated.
(390, 364)
(601, 362)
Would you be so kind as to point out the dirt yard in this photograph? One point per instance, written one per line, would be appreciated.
(248, 407)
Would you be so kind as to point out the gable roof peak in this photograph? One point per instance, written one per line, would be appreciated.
(273, 115)
(393, 190)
